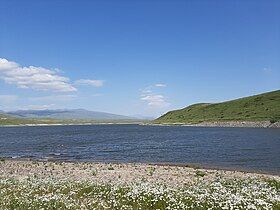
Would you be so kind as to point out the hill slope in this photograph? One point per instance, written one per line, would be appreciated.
(263, 107)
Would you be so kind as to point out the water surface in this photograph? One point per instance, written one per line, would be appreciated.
(252, 149)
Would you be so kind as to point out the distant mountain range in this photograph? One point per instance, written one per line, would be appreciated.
(67, 114)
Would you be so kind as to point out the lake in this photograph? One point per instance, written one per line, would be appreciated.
(250, 149)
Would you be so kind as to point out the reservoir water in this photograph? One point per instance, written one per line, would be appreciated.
(250, 149)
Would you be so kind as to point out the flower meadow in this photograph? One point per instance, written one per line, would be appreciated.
(223, 193)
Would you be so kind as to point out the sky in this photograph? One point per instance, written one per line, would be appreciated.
(136, 57)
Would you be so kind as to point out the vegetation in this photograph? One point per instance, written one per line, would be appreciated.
(263, 107)
(200, 173)
(60, 185)
(111, 168)
(94, 172)
(11, 120)
(34, 193)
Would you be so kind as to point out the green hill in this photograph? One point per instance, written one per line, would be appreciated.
(263, 107)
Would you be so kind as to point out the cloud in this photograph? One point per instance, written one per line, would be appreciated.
(8, 99)
(40, 107)
(160, 85)
(37, 78)
(91, 82)
(153, 100)
(146, 91)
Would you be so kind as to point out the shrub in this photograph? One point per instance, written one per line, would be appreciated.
(151, 171)
(200, 173)
(274, 120)
(94, 173)
(110, 168)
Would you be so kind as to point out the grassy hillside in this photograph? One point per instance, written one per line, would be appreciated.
(254, 108)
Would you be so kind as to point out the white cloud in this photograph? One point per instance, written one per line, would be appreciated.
(160, 85)
(91, 82)
(40, 107)
(153, 100)
(37, 78)
(7, 99)
(146, 91)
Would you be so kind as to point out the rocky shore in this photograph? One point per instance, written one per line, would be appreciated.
(170, 175)
(247, 124)
(237, 124)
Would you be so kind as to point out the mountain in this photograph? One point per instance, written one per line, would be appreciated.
(79, 114)
(263, 107)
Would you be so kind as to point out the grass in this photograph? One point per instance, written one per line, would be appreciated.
(34, 193)
(273, 183)
(11, 120)
(263, 107)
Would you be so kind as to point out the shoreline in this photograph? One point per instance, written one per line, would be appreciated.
(195, 166)
(23, 167)
(70, 124)
(226, 124)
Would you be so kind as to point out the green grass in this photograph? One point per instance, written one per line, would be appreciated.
(261, 107)
(33, 193)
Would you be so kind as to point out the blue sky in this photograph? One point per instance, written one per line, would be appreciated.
(136, 57)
